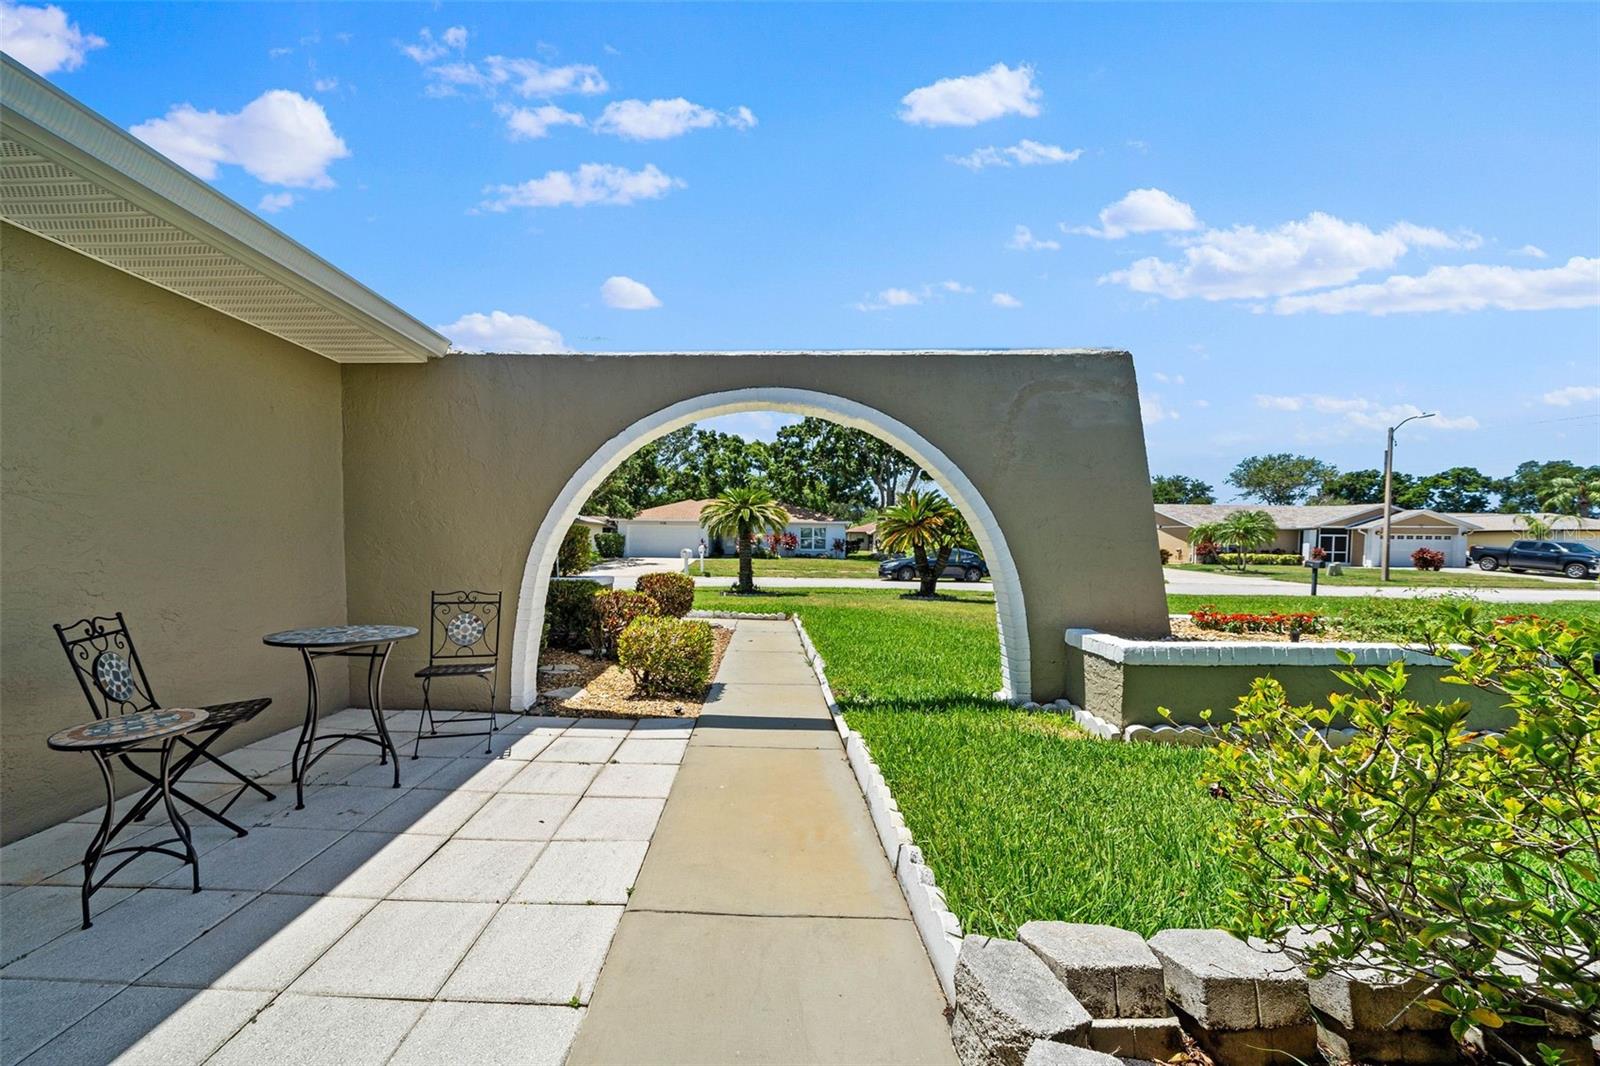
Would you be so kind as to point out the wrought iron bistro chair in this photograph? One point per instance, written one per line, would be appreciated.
(465, 642)
(113, 680)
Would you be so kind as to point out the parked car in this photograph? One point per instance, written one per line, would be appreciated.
(964, 565)
(1570, 557)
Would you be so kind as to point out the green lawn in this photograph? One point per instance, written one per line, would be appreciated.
(1021, 815)
(1458, 578)
(853, 566)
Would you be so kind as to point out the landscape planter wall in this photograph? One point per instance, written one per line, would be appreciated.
(1124, 683)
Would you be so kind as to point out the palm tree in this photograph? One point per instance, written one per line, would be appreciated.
(921, 522)
(1572, 496)
(1206, 533)
(1243, 531)
(1539, 526)
(1247, 531)
(744, 514)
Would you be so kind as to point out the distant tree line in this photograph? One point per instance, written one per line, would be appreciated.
(815, 463)
(1284, 478)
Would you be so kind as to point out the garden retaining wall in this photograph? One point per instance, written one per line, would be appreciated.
(1125, 683)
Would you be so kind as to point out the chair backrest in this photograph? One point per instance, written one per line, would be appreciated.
(107, 665)
(466, 625)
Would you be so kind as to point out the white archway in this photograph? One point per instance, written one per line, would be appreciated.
(1012, 618)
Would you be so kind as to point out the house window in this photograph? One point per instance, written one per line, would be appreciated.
(812, 538)
(1336, 542)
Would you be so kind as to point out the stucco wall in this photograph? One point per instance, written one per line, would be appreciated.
(450, 468)
(161, 459)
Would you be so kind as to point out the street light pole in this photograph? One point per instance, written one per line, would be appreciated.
(1388, 487)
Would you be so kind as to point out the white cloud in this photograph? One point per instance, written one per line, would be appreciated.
(1024, 153)
(428, 48)
(273, 202)
(530, 123)
(1247, 263)
(1358, 413)
(279, 53)
(1005, 299)
(1142, 211)
(1169, 379)
(498, 331)
(1472, 287)
(898, 297)
(625, 294)
(1023, 240)
(1153, 409)
(280, 137)
(1572, 394)
(1532, 251)
(974, 98)
(591, 183)
(325, 85)
(41, 38)
(524, 77)
(657, 120)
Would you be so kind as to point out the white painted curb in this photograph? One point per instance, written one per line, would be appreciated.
(936, 925)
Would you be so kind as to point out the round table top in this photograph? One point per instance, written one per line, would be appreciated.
(121, 730)
(338, 636)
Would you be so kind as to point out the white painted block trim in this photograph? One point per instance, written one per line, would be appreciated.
(939, 929)
(1242, 652)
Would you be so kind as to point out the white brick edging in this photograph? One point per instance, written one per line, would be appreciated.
(936, 925)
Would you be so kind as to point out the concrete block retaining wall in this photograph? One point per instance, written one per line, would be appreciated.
(1124, 683)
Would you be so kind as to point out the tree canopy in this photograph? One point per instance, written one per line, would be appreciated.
(1176, 488)
(1280, 478)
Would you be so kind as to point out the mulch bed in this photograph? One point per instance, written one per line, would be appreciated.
(606, 690)
(1185, 629)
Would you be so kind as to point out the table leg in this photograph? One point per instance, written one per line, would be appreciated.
(102, 835)
(179, 826)
(375, 701)
(308, 732)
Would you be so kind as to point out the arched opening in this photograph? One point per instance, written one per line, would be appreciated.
(1009, 609)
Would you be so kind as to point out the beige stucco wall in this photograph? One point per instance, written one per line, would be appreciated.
(450, 468)
(161, 459)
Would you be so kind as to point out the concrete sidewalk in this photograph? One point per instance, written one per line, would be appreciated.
(766, 925)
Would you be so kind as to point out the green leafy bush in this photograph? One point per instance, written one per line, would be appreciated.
(673, 593)
(609, 545)
(613, 610)
(569, 614)
(667, 656)
(1468, 862)
(576, 553)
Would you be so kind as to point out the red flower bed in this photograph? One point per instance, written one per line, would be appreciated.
(1208, 617)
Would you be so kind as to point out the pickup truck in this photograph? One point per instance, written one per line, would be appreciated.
(1570, 557)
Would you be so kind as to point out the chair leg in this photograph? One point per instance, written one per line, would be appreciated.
(201, 752)
(488, 744)
(427, 712)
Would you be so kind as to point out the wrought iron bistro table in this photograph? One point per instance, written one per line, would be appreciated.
(113, 735)
(372, 643)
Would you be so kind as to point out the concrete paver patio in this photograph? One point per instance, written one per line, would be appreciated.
(463, 917)
(743, 898)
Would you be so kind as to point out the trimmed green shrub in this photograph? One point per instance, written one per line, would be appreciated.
(613, 610)
(1260, 559)
(673, 593)
(577, 551)
(667, 655)
(609, 545)
(1466, 861)
(569, 612)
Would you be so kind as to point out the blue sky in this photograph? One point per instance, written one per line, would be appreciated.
(1303, 221)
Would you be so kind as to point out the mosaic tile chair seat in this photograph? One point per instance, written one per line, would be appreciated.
(464, 634)
(113, 680)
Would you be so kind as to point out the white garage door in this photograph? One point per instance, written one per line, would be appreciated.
(661, 539)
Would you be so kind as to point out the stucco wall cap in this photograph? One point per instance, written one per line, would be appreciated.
(1243, 652)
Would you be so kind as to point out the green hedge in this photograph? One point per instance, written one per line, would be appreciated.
(609, 545)
(569, 614)
(1260, 559)
(673, 593)
(667, 655)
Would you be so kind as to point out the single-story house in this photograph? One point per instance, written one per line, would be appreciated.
(1353, 533)
(666, 530)
(862, 538)
(1332, 527)
(597, 524)
(1499, 530)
